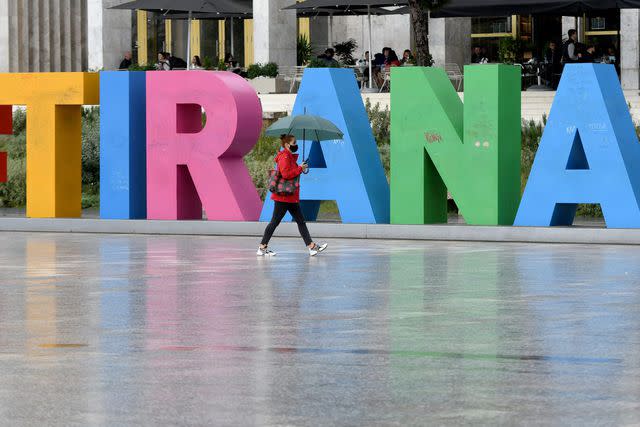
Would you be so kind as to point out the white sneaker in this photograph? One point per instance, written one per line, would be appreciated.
(265, 252)
(317, 249)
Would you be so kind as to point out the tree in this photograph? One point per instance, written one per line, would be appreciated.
(419, 10)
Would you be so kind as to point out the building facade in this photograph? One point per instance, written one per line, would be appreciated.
(76, 35)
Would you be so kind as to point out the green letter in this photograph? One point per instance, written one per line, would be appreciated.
(439, 144)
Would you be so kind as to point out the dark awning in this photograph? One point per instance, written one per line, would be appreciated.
(461, 8)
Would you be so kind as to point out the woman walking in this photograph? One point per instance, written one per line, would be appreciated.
(289, 170)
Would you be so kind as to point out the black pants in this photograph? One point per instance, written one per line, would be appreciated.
(279, 211)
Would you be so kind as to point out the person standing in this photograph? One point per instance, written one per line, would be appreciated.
(570, 48)
(289, 169)
(553, 58)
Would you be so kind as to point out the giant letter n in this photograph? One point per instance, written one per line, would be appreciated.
(54, 136)
(589, 153)
(437, 144)
(191, 165)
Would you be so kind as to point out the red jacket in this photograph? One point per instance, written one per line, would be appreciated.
(289, 169)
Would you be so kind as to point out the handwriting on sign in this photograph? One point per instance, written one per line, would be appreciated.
(432, 137)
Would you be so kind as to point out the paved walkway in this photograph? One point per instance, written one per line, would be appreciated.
(151, 330)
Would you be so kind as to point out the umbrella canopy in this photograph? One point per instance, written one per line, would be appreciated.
(346, 4)
(311, 12)
(305, 126)
(208, 6)
(461, 8)
(242, 9)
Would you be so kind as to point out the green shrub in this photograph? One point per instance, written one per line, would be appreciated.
(344, 51)
(91, 156)
(147, 67)
(259, 70)
(260, 160)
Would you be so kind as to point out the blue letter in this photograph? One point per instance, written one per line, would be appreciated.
(123, 148)
(347, 171)
(589, 153)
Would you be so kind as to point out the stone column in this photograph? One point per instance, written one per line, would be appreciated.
(22, 42)
(65, 35)
(55, 36)
(274, 32)
(629, 48)
(4, 36)
(45, 36)
(34, 36)
(450, 41)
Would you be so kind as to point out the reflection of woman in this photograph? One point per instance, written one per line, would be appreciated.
(289, 169)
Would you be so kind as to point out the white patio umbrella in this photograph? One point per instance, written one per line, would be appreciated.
(353, 5)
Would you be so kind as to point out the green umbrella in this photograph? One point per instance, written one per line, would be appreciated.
(305, 126)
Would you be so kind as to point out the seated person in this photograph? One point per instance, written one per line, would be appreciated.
(163, 62)
(588, 55)
(327, 58)
(392, 60)
(407, 58)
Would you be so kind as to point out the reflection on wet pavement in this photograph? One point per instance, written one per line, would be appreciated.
(147, 330)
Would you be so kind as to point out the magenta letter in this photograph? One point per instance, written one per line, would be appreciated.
(190, 166)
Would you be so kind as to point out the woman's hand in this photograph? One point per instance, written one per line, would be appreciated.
(305, 167)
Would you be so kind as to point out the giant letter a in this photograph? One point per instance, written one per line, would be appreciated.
(589, 153)
(439, 144)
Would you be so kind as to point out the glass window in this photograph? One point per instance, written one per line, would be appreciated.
(209, 41)
(156, 38)
(604, 21)
(237, 35)
(491, 25)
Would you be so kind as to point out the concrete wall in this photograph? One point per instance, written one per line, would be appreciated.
(392, 31)
(108, 33)
(630, 48)
(450, 41)
(274, 32)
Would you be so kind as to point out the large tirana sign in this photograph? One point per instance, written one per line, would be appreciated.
(159, 161)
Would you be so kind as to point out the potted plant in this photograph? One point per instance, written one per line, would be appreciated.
(264, 78)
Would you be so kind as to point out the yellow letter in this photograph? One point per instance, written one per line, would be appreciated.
(54, 136)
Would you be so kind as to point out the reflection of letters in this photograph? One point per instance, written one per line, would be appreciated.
(54, 136)
(190, 166)
(439, 144)
(587, 153)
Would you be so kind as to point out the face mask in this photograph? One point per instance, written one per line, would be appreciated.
(293, 148)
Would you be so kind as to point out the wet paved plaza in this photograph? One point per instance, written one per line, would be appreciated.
(165, 330)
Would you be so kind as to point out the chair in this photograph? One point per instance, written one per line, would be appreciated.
(360, 77)
(454, 73)
(386, 78)
(294, 74)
